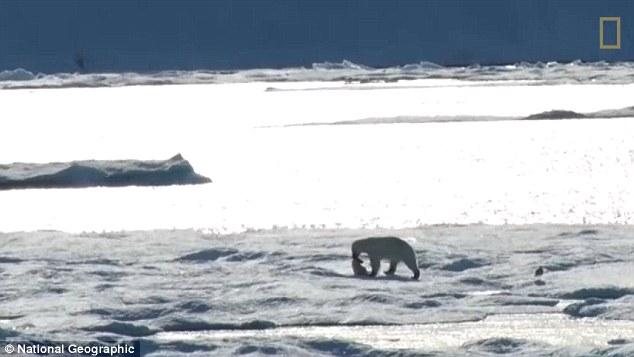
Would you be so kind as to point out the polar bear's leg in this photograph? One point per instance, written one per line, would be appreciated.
(375, 263)
(392, 269)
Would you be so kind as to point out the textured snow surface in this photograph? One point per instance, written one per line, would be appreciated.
(294, 290)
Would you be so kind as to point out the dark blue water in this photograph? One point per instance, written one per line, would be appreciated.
(143, 35)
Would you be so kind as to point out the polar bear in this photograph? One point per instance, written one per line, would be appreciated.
(378, 248)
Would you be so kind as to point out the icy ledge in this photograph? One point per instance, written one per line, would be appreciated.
(75, 174)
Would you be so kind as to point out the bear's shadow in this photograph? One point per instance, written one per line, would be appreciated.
(381, 278)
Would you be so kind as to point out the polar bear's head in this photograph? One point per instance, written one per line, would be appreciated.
(358, 268)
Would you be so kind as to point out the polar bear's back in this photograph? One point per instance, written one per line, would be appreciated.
(384, 247)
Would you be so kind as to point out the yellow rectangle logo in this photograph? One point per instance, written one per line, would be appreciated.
(609, 46)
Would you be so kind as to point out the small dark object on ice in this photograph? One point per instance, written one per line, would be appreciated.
(539, 271)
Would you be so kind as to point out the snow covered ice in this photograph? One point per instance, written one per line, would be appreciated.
(259, 261)
(292, 291)
(79, 174)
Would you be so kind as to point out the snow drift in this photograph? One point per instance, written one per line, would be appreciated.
(174, 171)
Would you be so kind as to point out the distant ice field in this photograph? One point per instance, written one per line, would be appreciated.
(267, 174)
(538, 73)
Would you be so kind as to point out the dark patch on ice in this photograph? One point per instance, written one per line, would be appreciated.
(375, 298)
(347, 287)
(497, 345)
(124, 329)
(600, 293)
(245, 284)
(95, 262)
(194, 306)
(100, 312)
(539, 271)
(208, 255)
(563, 266)
(336, 347)
(90, 173)
(444, 295)
(589, 308)
(56, 290)
(259, 350)
(556, 114)
(540, 282)
(11, 317)
(277, 301)
(579, 310)
(184, 347)
(108, 275)
(149, 300)
(107, 338)
(588, 232)
(422, 304)
(464, 264)
(531, 251)
(240, 257)
(618, 341)
(179, 325)
(127, 315)
(102, 287)
(475, 281)
(10, 260)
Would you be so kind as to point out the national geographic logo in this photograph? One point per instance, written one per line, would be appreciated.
(31, 348)
(613, 41)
